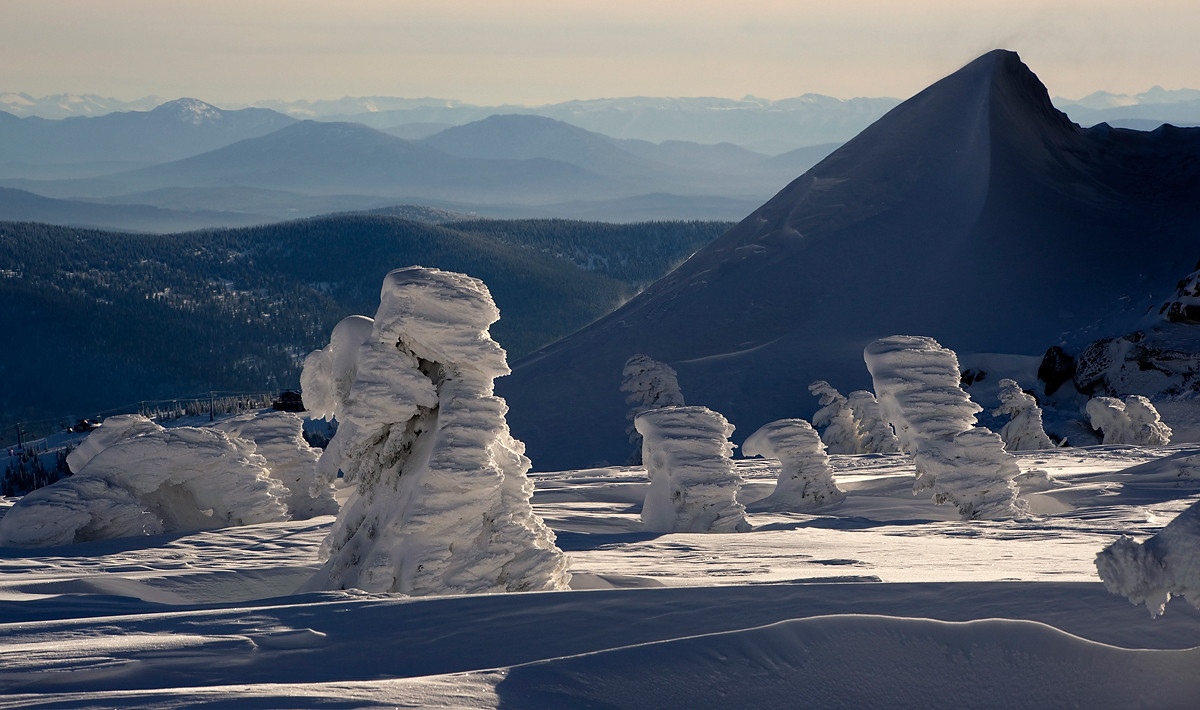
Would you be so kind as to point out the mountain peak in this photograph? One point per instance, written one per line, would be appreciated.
(188, 110)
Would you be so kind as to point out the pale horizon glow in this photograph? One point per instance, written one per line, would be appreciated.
(534, 52)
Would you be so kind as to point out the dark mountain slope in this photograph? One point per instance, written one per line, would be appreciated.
(974, 212)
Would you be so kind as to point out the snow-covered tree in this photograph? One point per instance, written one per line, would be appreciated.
(161, 480)
(1164, 565)
(279, 438)
(877, 434)
(835, 419)
(651, 384)
(917, 383)
(1132, 421)
(1024, 431)
(693, 483)
(326, 379)
(110, 431)
(442, 499)
(806, 479)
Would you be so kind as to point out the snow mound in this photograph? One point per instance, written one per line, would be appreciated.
(806, 480)
(163, 480)
(442, 498)
(279, 438)
(693, 484)
(1024, 431)
(1151, 572)
(917, 383)
(1133, 420)
(836, 421)
(112, 430)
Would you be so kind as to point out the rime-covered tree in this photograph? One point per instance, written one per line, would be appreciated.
(1164, 565)
(835, 420)
(442, 499)
(877, 434)
(917, 382)
(1024, 431)
(1132, 421)
(693, 483)
(806, 478)
(651, 384)
(1147, 427)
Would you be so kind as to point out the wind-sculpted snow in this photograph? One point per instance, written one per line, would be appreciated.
(279, 438)
(877, 434)
(442, 498)
(651, 384)
(1164, 565)
(163, 480)
(1133, 420)
(1024, 431)
(806, 481)
(112, 430)
(917, 383)
(835, 419)
(693, 484)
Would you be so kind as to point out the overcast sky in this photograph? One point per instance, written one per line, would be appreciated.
(533, 52)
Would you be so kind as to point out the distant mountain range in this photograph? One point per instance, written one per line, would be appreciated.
(975, 212)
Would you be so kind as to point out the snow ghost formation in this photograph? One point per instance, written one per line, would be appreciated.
(1164, 565)
(441, 504)
(279, 438)
(835, 419)
(877, 434)
(114, 429)
(325, 381)
(693, 484)
(1024, 431)
(806, 480)
(1132, 421)
(651, 384)
(147, 481)
(917, 383)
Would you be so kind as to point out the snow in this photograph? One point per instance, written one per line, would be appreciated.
(835, 419)
(651, 384)
(1133, 420)
(1024, 431)
(806, 479)
(1151, 572)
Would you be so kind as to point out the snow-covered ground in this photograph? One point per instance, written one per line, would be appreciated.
(885, 600)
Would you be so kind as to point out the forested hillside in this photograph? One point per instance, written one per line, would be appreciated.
(95, 319)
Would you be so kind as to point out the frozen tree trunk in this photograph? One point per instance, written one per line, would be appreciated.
(839, 431)
(693, 484)
(1024, 431)
(877, 434)
(651, 384)
(917, 382)
(1164, 565)
(806, 480)
(442, 498)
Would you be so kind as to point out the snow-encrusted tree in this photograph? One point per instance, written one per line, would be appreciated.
(877, 434)
(1024, 431)
(279, 438)
(156, 481)
(651, 384)
(442, 502)
(110, 431)
(835, 420)
(326, 379)
(917, 383)
(1132, 421)
(1164, 565)
(806, 479)
(693, 483)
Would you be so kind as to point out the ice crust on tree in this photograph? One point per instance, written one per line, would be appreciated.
(279, 438)
(1024, 431)
(917, 383)
(835, 419)
(1165, 565)
(806, 480)
(877, 435)
(693, 483)
(651, 384)
(161, 480)
(1132, 421)
(441, 504)
(325, 382)
(110, 431)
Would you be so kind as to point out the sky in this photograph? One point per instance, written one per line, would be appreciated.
(533, 51)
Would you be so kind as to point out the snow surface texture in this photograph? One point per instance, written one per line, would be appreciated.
(1024, 431)
(806, 481)
(877, 434)
(651, 384)
(162, 480)
(835, 419)
(442, 498)
(693, 484)
(1151, 572)
(279, 438)
(1132, 421)
(917, 382)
